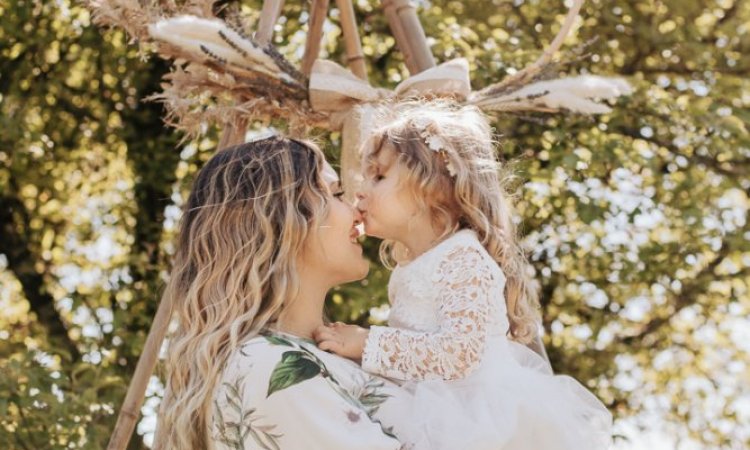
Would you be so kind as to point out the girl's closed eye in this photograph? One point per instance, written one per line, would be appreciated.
(378, 176)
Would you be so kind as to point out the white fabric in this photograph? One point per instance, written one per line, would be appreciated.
(473, 388)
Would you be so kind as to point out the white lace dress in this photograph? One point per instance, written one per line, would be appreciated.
(473, 388)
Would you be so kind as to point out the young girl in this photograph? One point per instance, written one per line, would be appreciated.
(462, 300)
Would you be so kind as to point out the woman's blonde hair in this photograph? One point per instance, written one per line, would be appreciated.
(448, 152)
(250, 210)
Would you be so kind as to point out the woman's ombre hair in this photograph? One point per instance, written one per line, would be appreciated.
(247, 218)
(462, 186)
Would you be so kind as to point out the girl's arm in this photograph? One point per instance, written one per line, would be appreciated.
(455, 349)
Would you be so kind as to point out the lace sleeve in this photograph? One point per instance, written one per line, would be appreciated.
(455, 349)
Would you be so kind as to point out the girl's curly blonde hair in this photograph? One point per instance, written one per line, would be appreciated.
(449, 155)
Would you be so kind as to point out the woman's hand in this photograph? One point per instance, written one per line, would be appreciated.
(342, 339)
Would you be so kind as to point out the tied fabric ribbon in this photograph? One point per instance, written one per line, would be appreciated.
(335, 90)
(348, 101)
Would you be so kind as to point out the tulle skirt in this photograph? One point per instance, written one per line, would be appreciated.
(511, 402)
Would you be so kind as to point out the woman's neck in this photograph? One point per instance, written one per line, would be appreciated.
(304, 312)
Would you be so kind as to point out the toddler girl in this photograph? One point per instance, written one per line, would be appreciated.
(462, 298)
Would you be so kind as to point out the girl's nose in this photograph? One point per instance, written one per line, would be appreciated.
(359, 195)
(357, 216)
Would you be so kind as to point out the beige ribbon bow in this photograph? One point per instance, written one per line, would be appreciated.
(348, 100)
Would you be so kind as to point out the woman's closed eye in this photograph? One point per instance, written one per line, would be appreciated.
(339, 195)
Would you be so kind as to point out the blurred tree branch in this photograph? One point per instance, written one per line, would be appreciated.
(24, 262)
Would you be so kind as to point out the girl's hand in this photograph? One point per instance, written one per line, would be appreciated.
(342, 339)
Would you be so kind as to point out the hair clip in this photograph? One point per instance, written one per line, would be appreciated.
(434, 142)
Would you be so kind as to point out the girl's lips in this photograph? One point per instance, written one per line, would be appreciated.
(356, 233)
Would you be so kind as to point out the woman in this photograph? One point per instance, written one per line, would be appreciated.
(264, 236)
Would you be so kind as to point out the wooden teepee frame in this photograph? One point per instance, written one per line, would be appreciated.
(283, 92)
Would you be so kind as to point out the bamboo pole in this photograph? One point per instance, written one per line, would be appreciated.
(268, 16)
(318, 13)
(131, 406)
(414, 36)
(355, 59)
(389, 8)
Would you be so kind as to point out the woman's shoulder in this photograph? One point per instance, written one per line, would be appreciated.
(270, 363)
(274, 354)
(267, 349)
(258, 356)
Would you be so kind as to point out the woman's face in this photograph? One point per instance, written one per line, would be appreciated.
(334, 249)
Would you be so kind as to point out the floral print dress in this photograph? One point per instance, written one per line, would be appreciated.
(279, 391)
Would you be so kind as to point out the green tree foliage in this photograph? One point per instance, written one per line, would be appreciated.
(636, 221)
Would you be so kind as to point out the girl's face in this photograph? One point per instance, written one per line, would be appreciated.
(333, 249)
(386, 203)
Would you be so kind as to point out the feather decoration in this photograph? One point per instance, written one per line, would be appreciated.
(579, 94)
(214, 40)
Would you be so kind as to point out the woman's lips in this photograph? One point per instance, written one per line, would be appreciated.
(355, 233)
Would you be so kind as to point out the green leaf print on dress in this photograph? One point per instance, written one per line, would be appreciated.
(233, 433)
(369, 394)
(278, 340)
(294, 367)
(302, 364)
